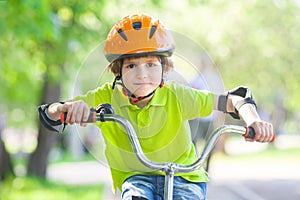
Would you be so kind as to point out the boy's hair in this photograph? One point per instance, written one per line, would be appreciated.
(115, 66)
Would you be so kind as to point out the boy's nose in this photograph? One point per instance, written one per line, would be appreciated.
(141, 71)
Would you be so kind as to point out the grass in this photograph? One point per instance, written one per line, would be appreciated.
(30, 188)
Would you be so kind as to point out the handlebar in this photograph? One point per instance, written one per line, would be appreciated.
(105, 112)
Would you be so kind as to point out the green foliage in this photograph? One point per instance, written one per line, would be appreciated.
(253, 43)
(40, 41)
(30, 188)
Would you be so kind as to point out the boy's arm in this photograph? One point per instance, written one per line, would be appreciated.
(239, 104)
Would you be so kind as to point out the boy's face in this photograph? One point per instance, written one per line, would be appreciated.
(142, 75)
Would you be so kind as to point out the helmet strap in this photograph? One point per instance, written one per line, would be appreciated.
(117, 78)
(161, 83)
(134, 99)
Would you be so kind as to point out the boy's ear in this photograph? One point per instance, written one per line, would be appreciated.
(165, 73)
(169, 66)
(166, 70)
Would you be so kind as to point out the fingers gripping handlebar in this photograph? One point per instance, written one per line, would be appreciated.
(95, 114)
(92, 117)
(250, 134)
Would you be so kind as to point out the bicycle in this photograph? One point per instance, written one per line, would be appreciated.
(105, 113)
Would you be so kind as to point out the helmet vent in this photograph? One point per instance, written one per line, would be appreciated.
(122, 34)
(137, 25)
(152, 31)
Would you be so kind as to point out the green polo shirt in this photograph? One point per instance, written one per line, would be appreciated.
(162, 128)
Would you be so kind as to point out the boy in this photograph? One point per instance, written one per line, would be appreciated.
(138, 48)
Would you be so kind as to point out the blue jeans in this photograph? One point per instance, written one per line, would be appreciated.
(152, 188)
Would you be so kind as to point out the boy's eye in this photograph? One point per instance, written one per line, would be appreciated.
(151, 65)
(130, 66)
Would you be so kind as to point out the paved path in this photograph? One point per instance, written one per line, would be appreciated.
(229, 181)
(264, 180)
(82, 173)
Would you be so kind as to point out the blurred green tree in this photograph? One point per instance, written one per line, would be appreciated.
(37, 55)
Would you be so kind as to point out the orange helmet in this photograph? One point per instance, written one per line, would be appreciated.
(138, 35)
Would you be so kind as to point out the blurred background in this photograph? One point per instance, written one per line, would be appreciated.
(46, 45)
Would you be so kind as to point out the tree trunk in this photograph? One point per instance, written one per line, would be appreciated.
(6, 167)
(38, 160)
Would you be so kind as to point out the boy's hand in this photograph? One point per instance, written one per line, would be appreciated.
(77, 111)
(263, 132)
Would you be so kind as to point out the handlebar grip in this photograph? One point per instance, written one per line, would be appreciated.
(273, 138)
(91, 119)
(63, 117)
(250, 133)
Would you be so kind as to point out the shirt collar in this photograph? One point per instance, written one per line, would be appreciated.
(158, 99)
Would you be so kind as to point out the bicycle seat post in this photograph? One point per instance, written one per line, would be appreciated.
(169, 181)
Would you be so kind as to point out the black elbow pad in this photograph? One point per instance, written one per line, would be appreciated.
(239, 91)
(45, 120)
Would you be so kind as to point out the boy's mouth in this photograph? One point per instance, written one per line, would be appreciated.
(141, 84)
